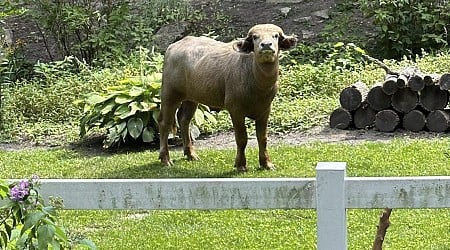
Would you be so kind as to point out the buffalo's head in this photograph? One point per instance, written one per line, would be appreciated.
(266, 41)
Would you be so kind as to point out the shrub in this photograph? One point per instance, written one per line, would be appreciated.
(130, 108)
(102, 31)
(408, 26)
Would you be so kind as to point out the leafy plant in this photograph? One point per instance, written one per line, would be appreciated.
(408, 26)
(27, 223)
(102, 32)
(128, 109)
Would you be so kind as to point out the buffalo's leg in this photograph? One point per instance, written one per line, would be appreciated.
(166, 120)
(184, 115)
(261, 134)
(240, 134)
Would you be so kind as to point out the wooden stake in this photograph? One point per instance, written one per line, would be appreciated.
(382, 229)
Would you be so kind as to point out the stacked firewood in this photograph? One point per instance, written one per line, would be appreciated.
(409, 99)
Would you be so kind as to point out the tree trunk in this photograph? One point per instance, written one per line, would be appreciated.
(433, 98)
(414, 121)
(352, 97)
(364, 117)
(405, 100)
(416, 83)
(382, 227)
(387, 120)
(377, 99)
(340, 118)
(438, 121)
(390, 84)
(444, 81)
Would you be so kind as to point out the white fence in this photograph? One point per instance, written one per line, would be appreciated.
(331, 192)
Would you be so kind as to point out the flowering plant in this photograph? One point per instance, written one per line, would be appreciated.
(27, 223)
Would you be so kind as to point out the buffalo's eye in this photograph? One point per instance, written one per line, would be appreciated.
(255, 37)
(276, 36)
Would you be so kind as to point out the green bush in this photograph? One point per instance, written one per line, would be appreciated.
(408, 26)
(103, 31)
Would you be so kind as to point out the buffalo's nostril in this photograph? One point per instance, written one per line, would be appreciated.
(266, 45)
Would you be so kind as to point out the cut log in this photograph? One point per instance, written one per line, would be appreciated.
(352, 97)
(387, 120)
(404, 76)
(390, 84)
(377, 99)
(402, 80)
(340, 118)
(364, 117)
(405, 100)
(438, 121)
(416, 83)
(414, 121)
(444, 81)
(433, 98)
(431, 79)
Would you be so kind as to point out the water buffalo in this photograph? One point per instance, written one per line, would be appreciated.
(240, 76)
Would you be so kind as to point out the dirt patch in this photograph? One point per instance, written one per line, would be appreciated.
(303, 17)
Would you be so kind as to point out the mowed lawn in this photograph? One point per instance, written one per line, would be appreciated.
(244, 229)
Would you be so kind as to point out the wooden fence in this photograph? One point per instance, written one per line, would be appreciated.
(330, 193)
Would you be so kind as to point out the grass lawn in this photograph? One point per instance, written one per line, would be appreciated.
(244, 229)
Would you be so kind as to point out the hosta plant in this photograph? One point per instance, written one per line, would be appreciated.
(130, 110)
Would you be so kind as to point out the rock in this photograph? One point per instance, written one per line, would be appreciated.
(170, 33)
(307, 34)
(322, 14)
(305, 19)
(285, 10)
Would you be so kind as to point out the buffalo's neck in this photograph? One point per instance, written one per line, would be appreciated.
(266, 74)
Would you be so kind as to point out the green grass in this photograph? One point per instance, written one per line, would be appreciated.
(245, 229)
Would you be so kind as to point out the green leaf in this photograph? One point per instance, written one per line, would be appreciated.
(155, 115)
(31, 220)
(210, 117)
(4, 239)
(339, 44)
(61, 234)
(45, 234)
(87, 243)
(148, 134)
(108, 107)
(135, 126)
(122, 111)
(121, 99)
(136, 91)
(50, 210)
(195, 132)
(199, 117)
(94, 98)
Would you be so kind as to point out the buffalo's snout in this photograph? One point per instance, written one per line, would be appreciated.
(267, 45)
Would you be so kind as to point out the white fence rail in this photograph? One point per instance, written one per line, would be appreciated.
(330, 193)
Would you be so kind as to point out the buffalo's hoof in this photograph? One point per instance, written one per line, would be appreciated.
(167, 163)
(241, 169)
(268, 166)
(192, 157)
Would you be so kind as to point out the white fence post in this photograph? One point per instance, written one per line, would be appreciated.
(331, 213)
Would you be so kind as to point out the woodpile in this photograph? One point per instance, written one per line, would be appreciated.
(409, 99)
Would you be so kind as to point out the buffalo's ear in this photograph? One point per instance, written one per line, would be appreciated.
(244, 45)
(287, 42)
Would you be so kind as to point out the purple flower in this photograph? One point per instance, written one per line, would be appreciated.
(19, 191)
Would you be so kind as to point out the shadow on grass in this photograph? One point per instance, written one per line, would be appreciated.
(157, 170)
